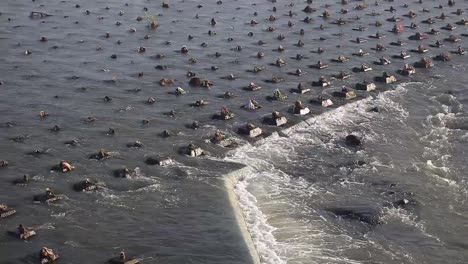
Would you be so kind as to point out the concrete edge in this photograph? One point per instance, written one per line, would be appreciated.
(230, 181)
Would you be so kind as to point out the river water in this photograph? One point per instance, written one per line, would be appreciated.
(414, 148)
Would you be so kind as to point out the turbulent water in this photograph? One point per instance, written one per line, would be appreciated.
(414, 148)
(309, 198)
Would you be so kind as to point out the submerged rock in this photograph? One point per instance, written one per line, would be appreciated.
(135, 144)
(22, 181)
(369, 216)
(85, 186)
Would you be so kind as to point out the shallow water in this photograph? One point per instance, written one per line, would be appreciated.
(181, 214)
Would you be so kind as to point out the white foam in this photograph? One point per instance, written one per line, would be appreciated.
(108, 198)
(261, 231)
(72, 243)
(282, 228)
(46, 226)
(58, 215)
(150, 188)
(448, 102)
(440, 173)
(406, 217)
(337, 122)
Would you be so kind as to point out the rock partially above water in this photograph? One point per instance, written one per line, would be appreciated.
(353, 140)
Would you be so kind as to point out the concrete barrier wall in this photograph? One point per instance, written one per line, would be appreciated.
(230, 181)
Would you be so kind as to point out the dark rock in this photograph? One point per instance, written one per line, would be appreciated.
(195, 81)
(194, 125)
(374, 109)
(55, 128)
(166, 134)
(22, 181)
(111, 131)
(361, 163)
(353, 140)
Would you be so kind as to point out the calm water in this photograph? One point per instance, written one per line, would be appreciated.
(414, 147)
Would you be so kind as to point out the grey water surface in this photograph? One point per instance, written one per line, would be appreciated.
(302, 180)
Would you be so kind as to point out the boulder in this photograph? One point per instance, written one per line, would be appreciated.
(353, 140)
